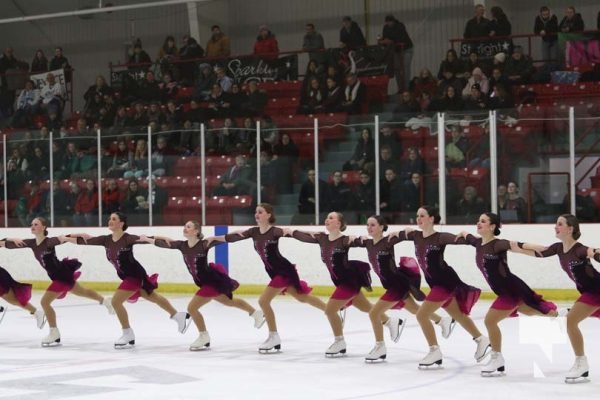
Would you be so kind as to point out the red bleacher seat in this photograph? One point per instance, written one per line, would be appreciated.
(186, 166)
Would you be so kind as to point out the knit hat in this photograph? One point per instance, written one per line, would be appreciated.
(500, 57)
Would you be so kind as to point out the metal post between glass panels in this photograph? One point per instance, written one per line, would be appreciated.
(493, 161)
(149, 177)
(376, 174)
(99, 175)
(317, 179)
(572, 179)
(441, 166)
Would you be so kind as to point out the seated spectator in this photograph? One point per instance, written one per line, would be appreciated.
(206, 80)
(266, 44)
(470, 206)
(39, 63)
(364, 196)
(100, 88)
(475, 62)
(219, 44)
(39, 165)
(313, 70)
(236, 98)
(332, 71)
(312, 97)
(122, 160)
(111, 197)
(34, 205)
(168, 88)
(139, 166)
(86, 206)
(388, 137)
(85, 165)
(148, 89)
(226, 137)
(162, 157)
(391, 192)
(307, 198)
(386, 162)
(413, 163)
(52, 96)
(334, 97)
(515, 202)
(449, 79)
(499, 61)
(218, 102)
(411, 193)
(285, 155)
(406, 107)
(173, 116)
(519, 67)
(223, 79)
(476, 101)
(364, 152)
(497, 78)
(62, 205)
(340, 193)
(134, 199)
(456, 149)
(26, 107)
(424, 83)
(139, 119)
(477, 78)
(190, 50)
(500, 98)
(355, 95)
(268, 176)
(450, 101)
(453, 64)
(159, 201)
(255, 100)
(237, 180)
(246, 136)
(16, 174)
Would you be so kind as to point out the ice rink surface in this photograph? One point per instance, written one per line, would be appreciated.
(87, 367)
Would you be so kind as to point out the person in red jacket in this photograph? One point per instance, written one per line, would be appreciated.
(266, 44)
(111, 197)
(86, 205)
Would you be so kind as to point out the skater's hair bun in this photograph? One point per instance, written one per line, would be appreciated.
(122, 218)
(342, 221)
(381, 221)
(198, 227)
(494, 220)
(269, 210)
(433, 212)
(44, 223)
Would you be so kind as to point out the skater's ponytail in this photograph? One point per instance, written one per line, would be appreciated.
(198, 227)
(44, 222)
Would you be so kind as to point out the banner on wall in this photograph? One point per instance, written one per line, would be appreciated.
(40, 80)
(485, 49)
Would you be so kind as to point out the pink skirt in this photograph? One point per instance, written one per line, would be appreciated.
(283, 282)
(208, 291)
(344, 293)
(134, 285)
(63, 288)
(511, 303)
(394, 297)
(591, 299)
(466, 296)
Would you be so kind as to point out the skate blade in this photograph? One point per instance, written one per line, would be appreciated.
(188, 322)
(261, 324)
(2, 313)
(375, 360)
(272, 350)
(200, 348)
(433, 366)
(341, 353)
(493, 374)
(52, 344)
(40, 326)
(401, 324)
(584, 378)
(129, 345)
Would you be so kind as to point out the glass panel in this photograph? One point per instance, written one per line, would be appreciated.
(587, 163)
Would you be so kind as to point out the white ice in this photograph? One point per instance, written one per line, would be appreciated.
(86, 367)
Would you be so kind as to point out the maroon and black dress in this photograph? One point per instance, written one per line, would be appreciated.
(510, 289)
(22, 291)
(210, 277)
(442, 279)
(63, 273)
(578, 267)
(281, 271)
(120, 254)
(348, 276)
(398, 281)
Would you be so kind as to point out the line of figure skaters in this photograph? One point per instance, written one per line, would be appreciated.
(401, 282)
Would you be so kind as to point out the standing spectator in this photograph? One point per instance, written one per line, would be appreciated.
(499, 25)
(219, 44)
(59, 61)
(478, 26)
(394, 34)
(139, 58)
(167, 54)
(27, 104)
(266, 44)
(39, 62)
(572, 21)
(8, 64)
(351, 36)
(313, 43)
(191, 51)
(546, 25)
(86, 206)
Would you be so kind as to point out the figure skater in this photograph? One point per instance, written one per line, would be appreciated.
(514, 296)
(63, 273)
(18, 294)
(212, 278)
(283, 274)
(135, 279)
